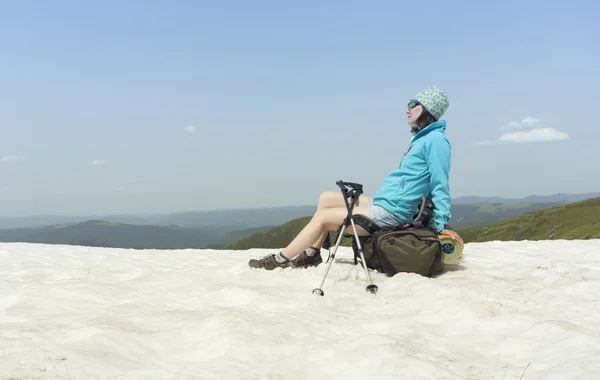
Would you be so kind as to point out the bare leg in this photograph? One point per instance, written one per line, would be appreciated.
(331, 212)
(326, 219)
(335, 199)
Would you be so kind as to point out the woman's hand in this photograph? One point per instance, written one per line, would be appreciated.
(453, 235)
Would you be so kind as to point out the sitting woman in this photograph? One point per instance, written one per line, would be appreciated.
(423, 171)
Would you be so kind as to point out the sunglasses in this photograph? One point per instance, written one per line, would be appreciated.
(412, 105)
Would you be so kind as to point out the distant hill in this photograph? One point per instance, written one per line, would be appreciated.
(554, 198)
(579, 220)
(100, 233)
(230, 220)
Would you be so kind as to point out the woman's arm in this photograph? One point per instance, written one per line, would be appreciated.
(438, 162)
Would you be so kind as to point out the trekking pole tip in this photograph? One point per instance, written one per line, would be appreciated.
(372, 289)
(318, 291)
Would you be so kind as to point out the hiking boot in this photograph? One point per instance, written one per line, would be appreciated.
(267, 262)
(303, 260)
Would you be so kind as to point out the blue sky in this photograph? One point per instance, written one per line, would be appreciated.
(155, 106)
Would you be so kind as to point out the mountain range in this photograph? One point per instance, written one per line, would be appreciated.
(100, 233)
(238, 219)
(559, 197)
(225, 228)
(234, 219)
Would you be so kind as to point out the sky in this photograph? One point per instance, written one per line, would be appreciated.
(153, 106)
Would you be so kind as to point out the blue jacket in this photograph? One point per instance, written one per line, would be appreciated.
(423, 171)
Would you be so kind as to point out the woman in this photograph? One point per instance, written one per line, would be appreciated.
(423, 171)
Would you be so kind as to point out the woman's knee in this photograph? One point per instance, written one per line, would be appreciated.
(319, 216)
(331, 219)
(329, 199)
(334, 199)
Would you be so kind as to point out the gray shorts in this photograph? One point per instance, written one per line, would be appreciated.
(383, 217)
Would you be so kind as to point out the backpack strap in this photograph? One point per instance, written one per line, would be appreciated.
(424, 213)
(366, 223)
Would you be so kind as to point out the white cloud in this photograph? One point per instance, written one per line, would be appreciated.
(534, 135)
(526, 123)
(526, 131)
(190, 129)
(8, 158)
(97, 162)
(530, 121)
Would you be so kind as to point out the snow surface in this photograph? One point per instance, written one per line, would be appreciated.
(513, 310)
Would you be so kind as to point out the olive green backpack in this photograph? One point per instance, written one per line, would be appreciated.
(409, 249)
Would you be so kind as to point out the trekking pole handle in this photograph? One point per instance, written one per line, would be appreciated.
(357, 187)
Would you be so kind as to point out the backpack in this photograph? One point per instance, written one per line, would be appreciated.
(411, 247)
(407, 248)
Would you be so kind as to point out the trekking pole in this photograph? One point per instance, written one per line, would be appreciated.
(319, 290)
(355, 191)
(371, 288)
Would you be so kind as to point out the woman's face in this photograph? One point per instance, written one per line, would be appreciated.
(413, 113)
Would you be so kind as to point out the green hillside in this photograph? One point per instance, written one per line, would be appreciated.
(580, 220)
(482, 214)
(275, 237)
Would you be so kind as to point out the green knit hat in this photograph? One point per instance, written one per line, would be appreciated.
(434, 100)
